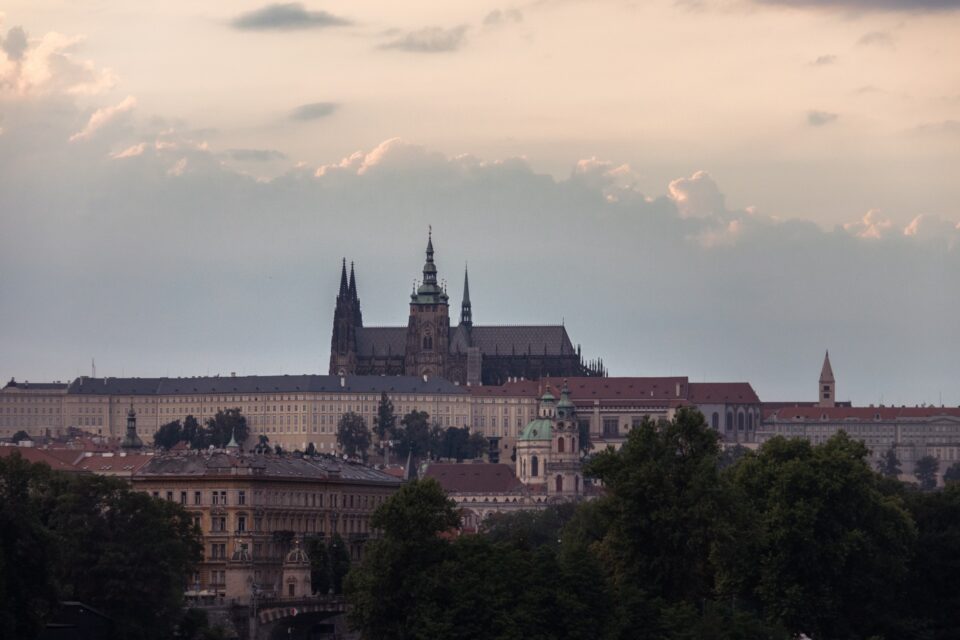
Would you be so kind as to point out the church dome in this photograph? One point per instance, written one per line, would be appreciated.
(539, 429)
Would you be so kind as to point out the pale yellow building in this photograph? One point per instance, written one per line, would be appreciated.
(36, 408)
(254, 509)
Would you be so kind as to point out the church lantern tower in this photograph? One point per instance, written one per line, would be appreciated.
(564, 466)
(131, 441)
(428, 327)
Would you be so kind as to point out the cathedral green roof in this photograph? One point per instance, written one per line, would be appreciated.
(539, 429)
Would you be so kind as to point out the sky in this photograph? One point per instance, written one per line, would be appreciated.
(722, 189)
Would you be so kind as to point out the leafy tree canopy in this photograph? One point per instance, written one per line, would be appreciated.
(353, 436)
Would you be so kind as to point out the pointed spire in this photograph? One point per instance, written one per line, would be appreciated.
(826, 373)
(233, 441)
(352, 287)
(344, 289)
(466, 312)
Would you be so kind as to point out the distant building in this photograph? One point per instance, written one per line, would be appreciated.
(36, 408)
(429, 345)
(255, 510)
(548, 453)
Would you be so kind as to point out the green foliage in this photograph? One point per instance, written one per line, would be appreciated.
(20, 436)
(385, 423)
(729, 456)
(311, 450)
(353, 436)
(889, 464)
(413, 436)
(388, 585)
(457, 443)
(339, 562)
(99, 542)
(28, 550)
(320, 580)
(168, 435)
(529, 529)
(925, 471)
(826, 549)
(952, 474)
(223, 425)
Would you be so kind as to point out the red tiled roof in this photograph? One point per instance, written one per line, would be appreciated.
(722, 392)
(33, 455)
(583, 389)
(859, 414)
(114, 464)
(472, 477)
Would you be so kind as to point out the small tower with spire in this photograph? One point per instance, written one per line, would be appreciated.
(131, 441)
(828, 386)
(466, 313)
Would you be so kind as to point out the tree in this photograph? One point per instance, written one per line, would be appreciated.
(353, 436)
(263, 444)
(952, 474)
(168, 435)
(311, 450)
(224, 425)
(391, 582)
(729, 456)
(20, 436)
(320, 580)
(834, 544)
(339, 562)
(193, 433)
(385, 424)
(28, 551)
(889, 464)
(414, 435)
(477, 445)
(925, 471)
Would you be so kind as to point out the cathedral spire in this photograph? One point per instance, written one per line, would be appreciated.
(466, 313)
(355, 299)
(343, 280)
(828, 385)
(429, 291)
(352, 287)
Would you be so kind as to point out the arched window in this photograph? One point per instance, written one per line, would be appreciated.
(715, 421)
(534, 466)
(428, 341)
(749, 422)
(729, 424)
(740, 421)
(559, 484)
(560, 444)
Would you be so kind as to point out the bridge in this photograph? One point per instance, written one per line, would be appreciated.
(273, 618)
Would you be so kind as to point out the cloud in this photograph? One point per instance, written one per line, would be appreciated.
(934, 229)
(500, 17)
(254, 155)
(429, 40)
(286, 17)
(909, 6)
(823, 61)
(817, 118)
(130, 152)
(49, 66)
(877, 39)
(697, 196)
(946, 127)
(15, 44)
(314, 111)
(102, 117)
(871, 226)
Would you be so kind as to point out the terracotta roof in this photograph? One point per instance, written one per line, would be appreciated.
(471, 477)
(722, 392)
(31, 454)
(129, 463)
(592, 388)
(859, 414)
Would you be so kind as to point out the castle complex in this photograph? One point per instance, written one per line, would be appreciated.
(429, 346)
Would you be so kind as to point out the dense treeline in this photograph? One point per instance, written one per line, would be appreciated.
(687, 543)
(94, 540)
(215, 432)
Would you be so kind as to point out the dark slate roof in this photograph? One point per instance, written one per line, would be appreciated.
(260, 384)
(493, 340)
(381, 341)
(722, 392)
(35, 386)
(474, 477)
(263, 466)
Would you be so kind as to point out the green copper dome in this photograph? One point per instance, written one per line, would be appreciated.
(539, 429)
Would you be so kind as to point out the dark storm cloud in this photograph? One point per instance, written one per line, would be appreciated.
(286, 17)
(872, 5)
(314, 111)
(819, 118)
(429, 40)
(15, 43)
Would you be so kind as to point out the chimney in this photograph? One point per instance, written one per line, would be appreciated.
(233, 374)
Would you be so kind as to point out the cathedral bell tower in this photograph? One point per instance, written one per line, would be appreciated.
(346, 320)
(428, 328)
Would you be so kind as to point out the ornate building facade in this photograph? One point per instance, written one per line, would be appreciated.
(430, 346)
